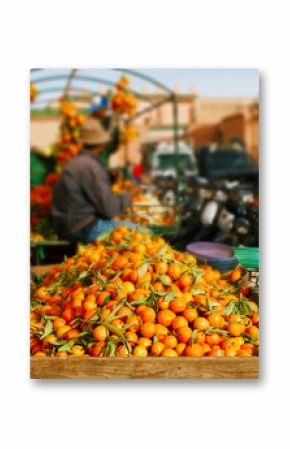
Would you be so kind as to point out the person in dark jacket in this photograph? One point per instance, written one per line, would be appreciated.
(83, 204)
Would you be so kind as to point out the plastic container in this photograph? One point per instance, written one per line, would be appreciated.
(217, 255)
(247, 256)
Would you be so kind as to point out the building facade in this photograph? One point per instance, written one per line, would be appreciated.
(202, 121)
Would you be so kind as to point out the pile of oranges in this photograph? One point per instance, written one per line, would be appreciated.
(131, 294)
(122, 186)
(40, 205)
(41, 196)
(147, 210)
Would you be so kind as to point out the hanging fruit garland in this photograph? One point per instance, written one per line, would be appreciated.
(124, 103)
(67, 147)
(33, 92)
(69, 144)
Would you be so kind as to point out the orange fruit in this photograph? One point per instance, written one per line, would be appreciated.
(40, 354)
(61, 354)
(120, 262)
(255, 318)
(140, 308)
(179, 348)
(73, 334)
(231, 344)
(248, 347)
(165, 317)
(104, 314)
(174, 271)
(216, 320)
(61, 331)
(236, 275)
(170, 341)
(184, 334)
(51, 339)
(161, 267)
(212, 339)
(102, 297)
(253, 331)
(134, 323)
(177, 305)
(118, 323)
(168, 352)
(59, 322)
(123, 230)
(236, 329)
(117, 237)
(201, 323)
(89, 305)
(244, 353)
(200, 338)
(217, 352)
(67, 315)
(124, 311)
(157, 348)
(160, 330)
(96, 349)
(91, 298)
(187, 297)
(147, 330)
(76, 302)
(231, 352)
(162, 305)
(137, 294)
(253, 306)
(129, 287)
(190, 314)
(235, 319)
(195, 350)
(131, 337)
(122, 351)
(145, 341)
(158, 286)
(178, 322)
(185, 281)
(140, 351)
(77, 350)
(206, 348)
(100, 333)
(148, 314)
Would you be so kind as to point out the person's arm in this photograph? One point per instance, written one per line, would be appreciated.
(97, 187)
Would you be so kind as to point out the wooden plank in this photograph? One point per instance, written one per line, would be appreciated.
(147, 368)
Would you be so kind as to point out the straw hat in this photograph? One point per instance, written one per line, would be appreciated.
(93, 133)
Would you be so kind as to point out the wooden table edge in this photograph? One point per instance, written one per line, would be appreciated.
(147, 368)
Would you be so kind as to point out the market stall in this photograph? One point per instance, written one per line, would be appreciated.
(64, 88)
(132, 297)
(131, 305)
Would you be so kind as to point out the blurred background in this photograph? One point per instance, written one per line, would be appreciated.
(189, 138)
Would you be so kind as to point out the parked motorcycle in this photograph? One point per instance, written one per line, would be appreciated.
(224, 211)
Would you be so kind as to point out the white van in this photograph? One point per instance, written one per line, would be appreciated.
(164, 161)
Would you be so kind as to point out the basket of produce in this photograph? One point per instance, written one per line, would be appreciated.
(131, 295)
(147, 210)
